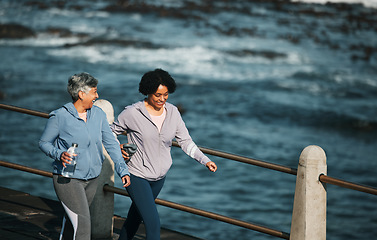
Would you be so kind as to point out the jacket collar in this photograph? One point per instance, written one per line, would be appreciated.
(140, 106)
(73, 111)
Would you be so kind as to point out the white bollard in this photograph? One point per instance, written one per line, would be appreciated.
(102, 207)
(309, 207)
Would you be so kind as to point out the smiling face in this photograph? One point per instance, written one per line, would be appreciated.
(90, 97)
(86, 100)
(158, 99)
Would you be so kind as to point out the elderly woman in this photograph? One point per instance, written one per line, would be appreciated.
(86, 125)
(152, 124)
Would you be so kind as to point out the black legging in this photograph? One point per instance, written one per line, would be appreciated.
(143, 208)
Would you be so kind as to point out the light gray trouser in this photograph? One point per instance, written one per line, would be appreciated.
(76, 196)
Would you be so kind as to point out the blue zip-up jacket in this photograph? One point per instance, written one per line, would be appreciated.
(65, 127)
(152, 159)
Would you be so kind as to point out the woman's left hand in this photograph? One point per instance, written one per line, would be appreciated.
(211, 166)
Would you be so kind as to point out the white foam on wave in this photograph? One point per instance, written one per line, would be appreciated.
(90, 27)
(366, 3)
(63, 12)
(42, 40)
(209, 63)
(205, 63)
(76, 14)
(184, 60)
(89, 54)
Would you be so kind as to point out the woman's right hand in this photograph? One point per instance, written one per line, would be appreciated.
(126, 180)
(65, 158)
(211, 166)
(124, 153)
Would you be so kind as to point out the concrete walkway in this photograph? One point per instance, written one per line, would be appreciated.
(27, 217)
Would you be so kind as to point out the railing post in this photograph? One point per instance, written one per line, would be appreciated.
(309, 207)
(102, 207)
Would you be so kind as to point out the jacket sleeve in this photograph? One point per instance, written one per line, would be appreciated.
(49, 136)
(112, 147)
(187, 144)
(119, 126)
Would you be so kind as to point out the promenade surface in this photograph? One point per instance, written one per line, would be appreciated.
(27, 217)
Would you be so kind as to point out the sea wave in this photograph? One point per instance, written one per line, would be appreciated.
(259, 78)
(366, 3)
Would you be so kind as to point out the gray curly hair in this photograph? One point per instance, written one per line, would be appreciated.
(80, 82)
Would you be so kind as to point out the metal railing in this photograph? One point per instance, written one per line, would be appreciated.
(207, 214)
(255, 162)
(247, 160)
(323, 178)
(345, 184)
(165, 203)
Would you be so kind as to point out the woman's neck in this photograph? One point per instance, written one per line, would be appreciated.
(152, 109)
(79, 107)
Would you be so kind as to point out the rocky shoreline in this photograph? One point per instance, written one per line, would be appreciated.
(315, 20)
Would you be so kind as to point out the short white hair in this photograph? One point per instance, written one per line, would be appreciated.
(80, 82)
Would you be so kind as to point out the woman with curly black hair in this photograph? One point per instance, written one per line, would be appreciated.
(152, 124)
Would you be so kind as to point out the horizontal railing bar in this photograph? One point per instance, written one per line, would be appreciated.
(206, 214)
(24, 110)
(335, 181)
(251, 161)
(25, 168)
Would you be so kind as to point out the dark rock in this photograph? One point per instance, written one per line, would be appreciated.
(16, 31)
(264, 53)
(119, 42)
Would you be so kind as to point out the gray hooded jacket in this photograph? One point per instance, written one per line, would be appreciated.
(152, 160)
(65, 127)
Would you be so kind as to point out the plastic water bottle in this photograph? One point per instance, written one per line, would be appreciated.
(69, 169)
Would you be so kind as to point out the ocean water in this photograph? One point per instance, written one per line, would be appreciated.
(261, 79)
